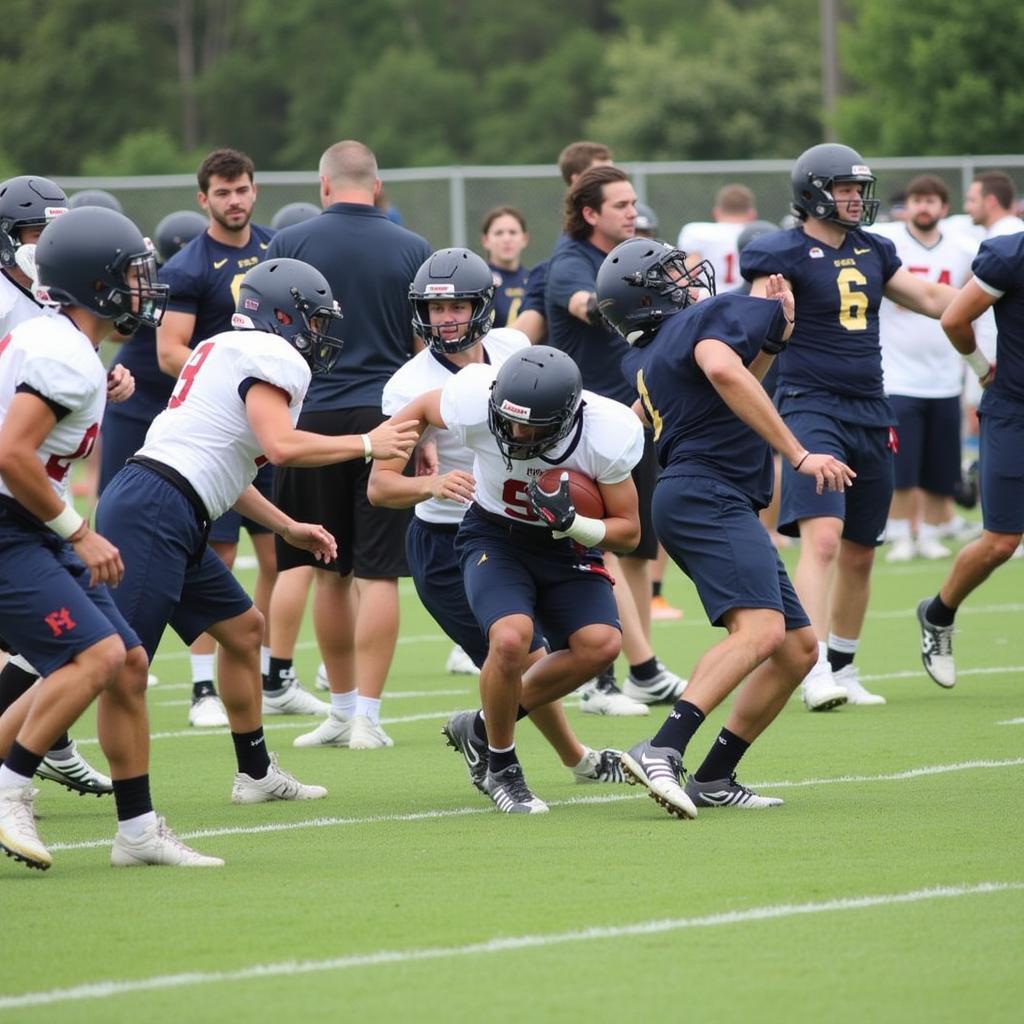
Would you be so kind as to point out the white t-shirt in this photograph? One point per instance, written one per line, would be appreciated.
(917, 357)
(610, 445)
(52, 357)
(715, 241)
(427, 372)
(17, 305)
(204, 433)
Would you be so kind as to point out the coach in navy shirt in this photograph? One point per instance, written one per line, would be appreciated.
(369, 262)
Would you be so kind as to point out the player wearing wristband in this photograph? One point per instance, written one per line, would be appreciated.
(997, 284)
(697, 367)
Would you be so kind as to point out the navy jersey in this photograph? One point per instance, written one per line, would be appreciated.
(369, 262)
(536, 290)
(509, 292)
(695, 432)
(597, 351)
(999, 270)
(835, 349)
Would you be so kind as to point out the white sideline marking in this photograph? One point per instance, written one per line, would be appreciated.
(309, 645)
(498, 944)
(993, 670)
(602, 798)
(1012, 721)
(396, 695)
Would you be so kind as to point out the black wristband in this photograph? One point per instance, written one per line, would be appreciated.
(773, 346)
(806, 456)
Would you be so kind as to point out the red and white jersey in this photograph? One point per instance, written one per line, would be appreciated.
(715, 241)
(50, 356)
(204, 432)
(917, 357)
(428, 372)
(606, 448)
(17, 305)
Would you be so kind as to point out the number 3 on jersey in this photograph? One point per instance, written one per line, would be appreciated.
(853, 304)
(652, 414)
(188, 374)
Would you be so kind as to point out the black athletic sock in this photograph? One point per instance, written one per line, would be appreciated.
(683, 721)
(279, 675)
(22, 761)
(479, 727)
(938, 613)
(645, 671)
(62, 743)
(251, 753)
(656, 588)
(723, 757)
(14, 681)
(498, 760)
(132, 797)
(204, 688)
(836, 661)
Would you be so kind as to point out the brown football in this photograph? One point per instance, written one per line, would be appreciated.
(585, 493)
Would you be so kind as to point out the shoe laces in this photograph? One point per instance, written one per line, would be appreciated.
(939, 640)
(514, 784)
(609, 766)
(21, 809)
(607, 684)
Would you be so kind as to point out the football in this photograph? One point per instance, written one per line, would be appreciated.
(585, 493)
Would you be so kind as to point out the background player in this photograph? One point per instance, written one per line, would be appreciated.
(717, 240)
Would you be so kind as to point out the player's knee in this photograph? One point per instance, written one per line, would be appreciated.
(101, 662)
(599, 646)
(130, 682)
(1000, 546)
(508, 644)
(821, 542)
(804, 647)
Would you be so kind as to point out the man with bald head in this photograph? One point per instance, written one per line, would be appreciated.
(369, 262)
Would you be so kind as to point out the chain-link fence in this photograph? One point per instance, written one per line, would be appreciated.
(447, 204)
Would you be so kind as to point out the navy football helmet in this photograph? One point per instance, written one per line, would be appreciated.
(293, 213)
(95, 197)
(176, 230)
(538, 388)
(815, 173)
(453, 274)
(26, 202)
(643, 281)
(83, 258)
(292, 299)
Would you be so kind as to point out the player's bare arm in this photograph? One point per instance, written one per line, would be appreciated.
(583, 306)
(172, 341)
(532, 324)
(266, 408)
(915, 293)
(759, 289)
(307, 536)
(28, 422)
(958, 322)
(777, 289)
(742, 392)
(641, 413)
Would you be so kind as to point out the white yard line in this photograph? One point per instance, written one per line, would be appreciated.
(498, 944)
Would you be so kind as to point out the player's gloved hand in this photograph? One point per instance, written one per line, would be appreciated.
(557, 509)
(594, 316)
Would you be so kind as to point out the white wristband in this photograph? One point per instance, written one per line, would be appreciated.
(978, 362)
(68, 523)
(584, 530)
(367, 448)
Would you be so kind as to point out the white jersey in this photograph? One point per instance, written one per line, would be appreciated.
(917, 357)
(715, 241)
(606, 449)
(17, 305)
(428, 372)
(204, 433)
(50, 356)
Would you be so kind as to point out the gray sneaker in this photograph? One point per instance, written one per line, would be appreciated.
(936, 649)
(727, 793)
(511, 794)
(461, 736)
(660, 769)
(600, 766)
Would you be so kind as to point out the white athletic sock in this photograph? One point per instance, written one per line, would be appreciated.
(929, 530)
(202, 667)
(264, 660)
(12, 780)
(132, 828)
(842, 644)
(583, 760)
(369, 706)
(897, 529)
(344, 703)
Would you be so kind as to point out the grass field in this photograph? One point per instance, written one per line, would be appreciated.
(889, 887)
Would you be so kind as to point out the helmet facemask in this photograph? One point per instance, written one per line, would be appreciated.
(545, 431)
(314, 340)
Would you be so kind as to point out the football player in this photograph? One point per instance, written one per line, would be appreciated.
(503, 236)
(452, 297)
(697, 367)
(95, 266)
(717, 240)
(830, 394)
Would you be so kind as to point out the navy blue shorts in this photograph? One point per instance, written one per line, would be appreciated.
(228, 528)
(171, 576)
(929, 452)
(1001, 473)
(48, 611)
(522, 570)
(712, 532)
(121, 438)
(430, 550)
(864, 507)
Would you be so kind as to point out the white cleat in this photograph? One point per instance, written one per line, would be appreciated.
(932, 549)
(821, 692)
(728, 793)
(601, 696)
(660, 769)
(158, 845)
(207, 713)
(902, 550)
(293, 700)
(459, 663)
(18, 836)
(277, 784)
(73, 772)
(936, 649)
(322, 682)
(856, 693)
(334, 731)
(665, 688)
(368, 735)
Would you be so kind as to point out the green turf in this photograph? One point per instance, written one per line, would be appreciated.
(404, 857)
